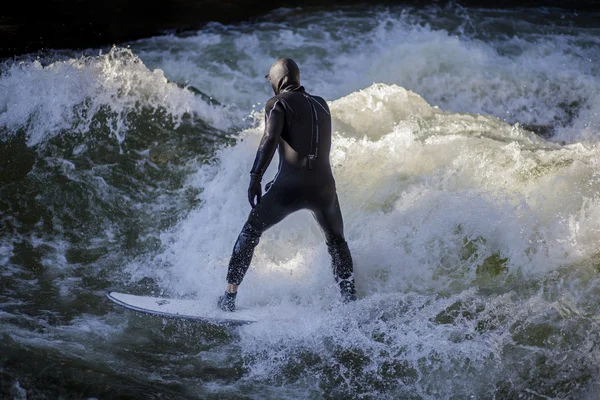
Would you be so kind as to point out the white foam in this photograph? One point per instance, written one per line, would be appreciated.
(6, 252)
(18, 391)
(427, 196)
(531, 78)
(586, 126)
(412, 190)
(67, 95)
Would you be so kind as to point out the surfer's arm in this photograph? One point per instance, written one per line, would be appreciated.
(274, 121)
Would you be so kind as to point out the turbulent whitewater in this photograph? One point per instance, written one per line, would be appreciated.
(466, 158)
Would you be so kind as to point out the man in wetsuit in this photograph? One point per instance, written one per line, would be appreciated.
(299, 125)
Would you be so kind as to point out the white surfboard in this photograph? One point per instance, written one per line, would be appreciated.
(186, 309)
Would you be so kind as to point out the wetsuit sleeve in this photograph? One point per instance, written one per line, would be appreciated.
(274, 121)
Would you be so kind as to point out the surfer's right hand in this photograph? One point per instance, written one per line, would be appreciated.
(254, 190)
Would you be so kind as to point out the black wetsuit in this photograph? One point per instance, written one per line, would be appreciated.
(299, 125)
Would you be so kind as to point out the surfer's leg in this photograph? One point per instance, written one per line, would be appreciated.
(273, 208)
(242, 254)
(330, 220)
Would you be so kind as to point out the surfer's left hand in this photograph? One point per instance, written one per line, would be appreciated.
(254, 190)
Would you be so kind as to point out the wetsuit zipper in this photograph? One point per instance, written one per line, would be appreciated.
(314, 140)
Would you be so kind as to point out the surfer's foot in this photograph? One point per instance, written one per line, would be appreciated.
(348, 291)
(227, 302)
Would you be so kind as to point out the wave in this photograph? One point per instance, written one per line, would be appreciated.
(463, 229)
(474, 239)
(537, 69)
(110, 90)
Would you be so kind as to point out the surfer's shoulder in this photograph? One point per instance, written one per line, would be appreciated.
(272, 102)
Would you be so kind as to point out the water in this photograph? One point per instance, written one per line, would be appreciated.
(475, 239)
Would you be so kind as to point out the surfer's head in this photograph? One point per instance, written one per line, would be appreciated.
(284, 74)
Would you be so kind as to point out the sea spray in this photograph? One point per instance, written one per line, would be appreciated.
(454, 225)
(512, 66)
(70, 96)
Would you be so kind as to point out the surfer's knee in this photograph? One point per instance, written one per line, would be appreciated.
(242, 253)
(249, 236)
(343, 269)
(341, 258)
(246, 242)
(335, 242)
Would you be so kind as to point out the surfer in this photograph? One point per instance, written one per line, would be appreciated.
(299, 125)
